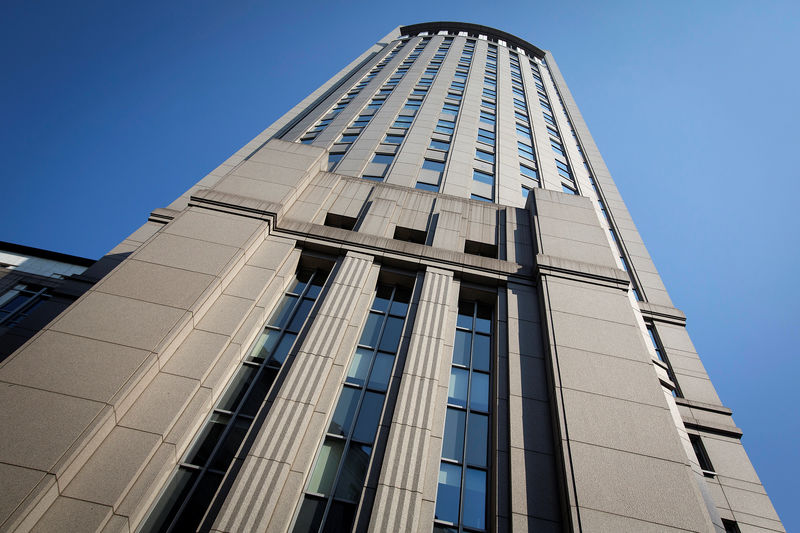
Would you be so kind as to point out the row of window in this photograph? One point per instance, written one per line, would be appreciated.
(323, 123)
(350, 135)
(432, 171)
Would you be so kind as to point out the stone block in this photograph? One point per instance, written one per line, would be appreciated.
(41, 426)
(119, 320)
(83, 367)
(225, 315)
(159, 405)
(196, 355)
(68, 514)
(156, 283)
(218, 228)
(188, 254)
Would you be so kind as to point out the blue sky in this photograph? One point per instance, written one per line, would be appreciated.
(111, 110)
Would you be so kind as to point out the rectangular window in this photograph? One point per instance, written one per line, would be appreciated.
(484, 156)
(403, 121)
(450, 108)
(445, 126)
(462, 492)
(440, 145)
(362, 121)
(523, 131)
(549, 119)
(394, 139)
(552, 131)
(568, 190)
(490, 105)
(563, 169)
(17, 303)
(486, 136)
(337, 478)
(383, 159)
(487, 117)
(702, 455)
(191, 490)
(348, 138)
(525, 150)
(557, 147)
(528, 172)
(333, 159)
(483, 177)
(526, 191)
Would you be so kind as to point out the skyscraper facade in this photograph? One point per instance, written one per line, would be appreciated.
(416, 302)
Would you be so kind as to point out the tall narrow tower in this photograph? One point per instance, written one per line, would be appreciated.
(416, 302)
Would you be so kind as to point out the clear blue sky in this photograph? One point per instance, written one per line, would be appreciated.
(110, 110)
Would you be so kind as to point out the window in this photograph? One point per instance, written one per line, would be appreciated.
(362, 121)
(483, 177)
(702, 455)
(563, 169)
(549, 119)
(435, 166)
(523, 131)
(445, 126)
(484, 156)
(440, 145)
(452, 109)
(340, 221)
(480, 248)
(528, 172)
(412, 105)
(525, 150)
(348, 138)
(552, 131)
(557, 147)
(526, 191)
(337, 478)
(730, 526)
(17, 303)
(394, 139)
(568, 190)
(490, 105)
(487, 117)
(403, 121)
(333, 159)
(410, 235)
(383, 159)
(191, 490)
(486, 136)
(462, 492)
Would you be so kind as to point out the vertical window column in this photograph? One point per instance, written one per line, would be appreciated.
(334, 488)
(462, 495)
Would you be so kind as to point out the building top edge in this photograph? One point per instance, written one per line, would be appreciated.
(46, 254)
(472, 30)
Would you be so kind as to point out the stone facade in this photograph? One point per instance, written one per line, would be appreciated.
(591, 425)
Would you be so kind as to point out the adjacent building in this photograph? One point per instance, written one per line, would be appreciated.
(416, 302)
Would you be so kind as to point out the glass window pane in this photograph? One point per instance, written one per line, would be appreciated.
(300, 316)
(368, 417)
(310, 515)
(457, 390)
(198, 503)
(461, 349)
(381, 372)
(359, 366)
(342, 419)
(340, 517)
(237, 388)
(444, 529)
(477, 439)
(163, 513)
(201, 449)
(481, 352)
(483, 322)
(453, 441)
(464, 315)
(316, 285)
(448, 493)
(300, 282)
(402, 296)
(282, 350)
(474, 498)
(281, 313)
(391, 334)
(231, 443)
(382, 297)
(326, 467)
(259, 391)
(355, 468)
(369, 337)
(264, 345)
(479, 392)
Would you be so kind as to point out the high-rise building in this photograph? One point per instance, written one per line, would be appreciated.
(416, 302)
